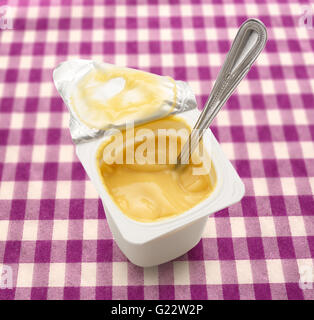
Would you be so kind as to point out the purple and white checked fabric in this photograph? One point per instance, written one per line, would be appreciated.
(53, 230)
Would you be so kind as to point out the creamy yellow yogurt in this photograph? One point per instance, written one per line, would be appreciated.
(151, 192)
(114, 95)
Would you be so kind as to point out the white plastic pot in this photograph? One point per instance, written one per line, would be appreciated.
(149, 244)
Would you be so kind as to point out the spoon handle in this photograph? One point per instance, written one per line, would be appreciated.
(247, 45)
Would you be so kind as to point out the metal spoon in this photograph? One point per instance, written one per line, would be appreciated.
(247, 45)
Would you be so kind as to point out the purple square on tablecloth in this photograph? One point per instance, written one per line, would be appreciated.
(12, 252)
(308, 100)
(258, 101)
(225, 248)
(180, 73)
(262, 291)
(166, 292)
(64, 24)
(204, 73)
(223, 46)
(178, 47)
(265, 19)
(74, 251)
(271, 168)
(255, 247)
(109, 23)
(237, 134)
(76, 210)
(38, 48)
(294, 45)
(253, 73)
(104, 293)
(78, 172)
(233, 102)
(19, 24)
(131, 23)
(301, 72)
(276, 72)
(18, 209)
(27, 136)
(287, 21)
(201, 46)
(31, 104)
(283, 101)
(198, 22)
(154, 47)
(11, 75)
(278, 207)
(298, 167)
(35, 75)
(220, 22)
(39, 293)
(196, 253)
(71, 293)
(198, 292)
(286, 248)
(156, 70)
(85, 48)
(222, 213)
(131, 47)
(109, 47)
(46, 210)
(290, 133)
(243, 168)
(16, 49)
(175, 22)
(135, 293)
(263, 133)
(50, 171)
(271, 46)
(6, 104)
(56, 104)
(231, 292)
(62, 48)
(7, 294)
(307, 205)
(87, 23)
(22, 172)
(249, 206)
(241, 19)
(104, 250)
(42, 252)
(294, 292)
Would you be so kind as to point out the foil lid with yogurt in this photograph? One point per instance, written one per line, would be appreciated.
(102, 96)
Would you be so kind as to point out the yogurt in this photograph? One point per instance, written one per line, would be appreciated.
(149, 192)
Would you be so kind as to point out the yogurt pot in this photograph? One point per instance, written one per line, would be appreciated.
(148, 244)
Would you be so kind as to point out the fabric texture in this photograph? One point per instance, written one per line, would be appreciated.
(53, 229)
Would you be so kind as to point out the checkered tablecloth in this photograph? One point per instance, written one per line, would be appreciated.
(53, 230)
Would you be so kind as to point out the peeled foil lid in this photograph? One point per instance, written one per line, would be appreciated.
(101, 97)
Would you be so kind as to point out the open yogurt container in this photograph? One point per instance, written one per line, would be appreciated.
(151, 243)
